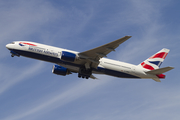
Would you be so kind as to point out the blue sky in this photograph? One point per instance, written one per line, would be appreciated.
(30, 91)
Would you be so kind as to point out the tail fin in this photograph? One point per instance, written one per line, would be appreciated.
(155, 61)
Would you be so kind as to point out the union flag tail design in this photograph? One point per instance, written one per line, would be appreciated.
(155, 61)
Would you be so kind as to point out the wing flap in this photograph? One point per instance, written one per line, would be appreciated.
(93, 77)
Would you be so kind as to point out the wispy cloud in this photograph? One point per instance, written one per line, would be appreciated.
(21, 20)
(18, 75)
(56, 100)
(24, 20)
(144, 17)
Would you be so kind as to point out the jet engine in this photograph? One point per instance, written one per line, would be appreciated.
(59, 70)
(14, 54)
(67, 56)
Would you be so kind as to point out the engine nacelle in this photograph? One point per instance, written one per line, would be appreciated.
(67, 56)
(14, 53)
(59, 70)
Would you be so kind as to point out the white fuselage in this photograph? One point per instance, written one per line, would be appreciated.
(53, 54)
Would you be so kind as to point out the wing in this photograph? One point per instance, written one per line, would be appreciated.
(95, 54)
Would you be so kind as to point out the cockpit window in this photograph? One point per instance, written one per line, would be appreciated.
(13, 43)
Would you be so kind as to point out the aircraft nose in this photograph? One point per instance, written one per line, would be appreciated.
(7, 46)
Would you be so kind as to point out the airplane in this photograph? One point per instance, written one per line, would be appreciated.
(93, 61)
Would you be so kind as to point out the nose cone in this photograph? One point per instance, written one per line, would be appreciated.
(7, 46)
(10, 46)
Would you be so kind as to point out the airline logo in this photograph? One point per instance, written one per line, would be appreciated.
(24, 43)
(154, 61)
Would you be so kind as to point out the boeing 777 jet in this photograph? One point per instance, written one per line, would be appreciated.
(92, 61)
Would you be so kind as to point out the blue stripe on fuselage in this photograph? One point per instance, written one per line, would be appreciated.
(58, 61)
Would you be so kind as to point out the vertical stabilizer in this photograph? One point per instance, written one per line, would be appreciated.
(155, 61)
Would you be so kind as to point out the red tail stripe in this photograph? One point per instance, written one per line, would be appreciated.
(159, 55)
(146, 66)
(165, 56)
(142, 63)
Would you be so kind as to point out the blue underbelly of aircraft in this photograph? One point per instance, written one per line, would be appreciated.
(58, 61)
(114, 73)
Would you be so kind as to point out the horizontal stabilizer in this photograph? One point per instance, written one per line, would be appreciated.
(160, 70)
(156, 79)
